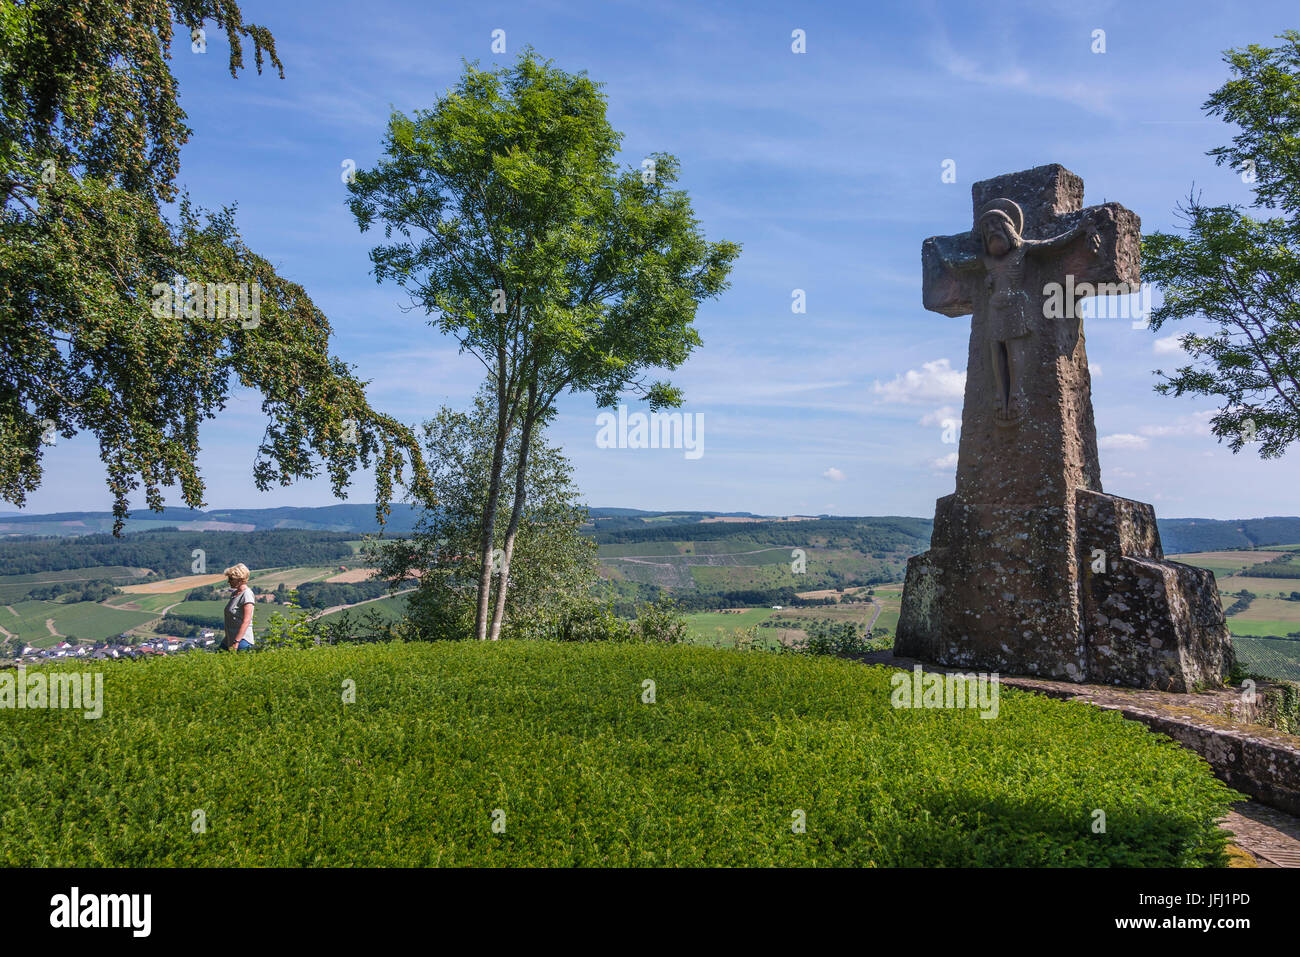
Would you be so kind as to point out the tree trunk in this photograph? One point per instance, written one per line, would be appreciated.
(521, 494)
(489, 523)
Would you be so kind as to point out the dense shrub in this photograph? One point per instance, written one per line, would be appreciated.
(660, 621)
(439, 736)
(840, 638)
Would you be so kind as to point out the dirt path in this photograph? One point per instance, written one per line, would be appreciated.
(876, 617)
(12, 612)
(49, 626)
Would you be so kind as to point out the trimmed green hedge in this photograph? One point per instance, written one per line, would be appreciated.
(557, 738)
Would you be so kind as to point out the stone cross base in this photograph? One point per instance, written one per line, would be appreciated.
(997, 592)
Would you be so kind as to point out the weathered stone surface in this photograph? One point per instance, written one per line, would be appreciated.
(1010, 580)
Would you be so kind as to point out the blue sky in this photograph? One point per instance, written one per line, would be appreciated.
(825, 165)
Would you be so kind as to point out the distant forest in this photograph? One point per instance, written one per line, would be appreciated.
(169, 552)
(913, 534)
(866, 534)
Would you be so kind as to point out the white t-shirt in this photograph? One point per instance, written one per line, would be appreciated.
(234, 614)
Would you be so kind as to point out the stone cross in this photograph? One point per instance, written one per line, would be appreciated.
(1028, 373)
(1032, 569)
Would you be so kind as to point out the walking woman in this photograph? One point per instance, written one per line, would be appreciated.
(239, 610)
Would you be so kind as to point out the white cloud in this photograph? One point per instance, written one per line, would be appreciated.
(834, 474)
(1000, 72)
(1094, 370)
(1122, 440)
(1198, 423)
(949, 461)
(942, 416)
(935, 381)
(1169, 346)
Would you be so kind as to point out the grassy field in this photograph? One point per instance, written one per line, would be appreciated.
(718, 628)
(891, 601)
(390, 608)
(553, 744)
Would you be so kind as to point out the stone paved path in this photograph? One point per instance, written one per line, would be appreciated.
(1270, 836)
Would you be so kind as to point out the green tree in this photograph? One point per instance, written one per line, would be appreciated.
(509, 221)
(91, 338)
(1242, 273)
(556, 565)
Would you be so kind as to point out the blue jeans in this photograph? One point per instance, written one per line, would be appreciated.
(244, 645)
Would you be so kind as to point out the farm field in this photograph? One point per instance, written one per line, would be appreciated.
(1268, 614)
(1263, 587)
(153, 603)
(268, 579)
(390, 608)
(87, 621)
(170, 586)
(1271, 657)
(1228, 562)
(891, 601)
(1266, 628)
(14, 587)
(352, 575)
(1273, 610)
(557, 737)
(717, 628)
(832, 554)
(205, 612)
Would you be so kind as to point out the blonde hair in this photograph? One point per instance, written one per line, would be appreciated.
(237, 572)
